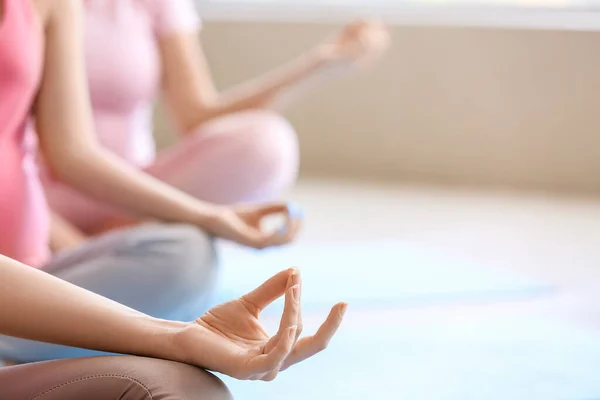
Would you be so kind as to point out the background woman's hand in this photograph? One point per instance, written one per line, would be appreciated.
(242, 224)
(235, 343)
(360, 43)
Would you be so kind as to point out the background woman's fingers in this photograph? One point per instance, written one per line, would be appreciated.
(375, 40)
(269, 291)
(311, 345)
(288, 232)
(293, 227)
(271, 208)
(294, 211)
(247, 235)
(267, 362)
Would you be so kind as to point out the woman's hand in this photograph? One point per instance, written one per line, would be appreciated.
(227, 339)
(360, 43)
(242, 224)
(235, 343)
(239, 224)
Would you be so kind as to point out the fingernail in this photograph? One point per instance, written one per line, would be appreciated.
(343, 310)
(295, 293)
(290, 281)
(294, 211)
(292, 332)
(295, 277)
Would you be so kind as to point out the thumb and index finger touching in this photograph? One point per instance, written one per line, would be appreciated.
(278, 348)
(256, 237)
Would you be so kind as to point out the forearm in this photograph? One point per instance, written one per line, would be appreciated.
(37, 306)
(193, 99)
(105, 177)
(64, 123)
(265, 91)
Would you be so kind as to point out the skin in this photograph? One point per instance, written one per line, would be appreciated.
(38, 306)
(190, 95)
(192, 98)
(227, 339)
(68, 144)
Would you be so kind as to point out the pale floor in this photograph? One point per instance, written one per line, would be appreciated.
(554, 238)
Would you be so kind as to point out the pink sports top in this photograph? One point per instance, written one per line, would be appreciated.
(124, 68)
(23, 209)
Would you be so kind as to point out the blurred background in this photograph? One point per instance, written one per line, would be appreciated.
(476, 139)
(452, 102)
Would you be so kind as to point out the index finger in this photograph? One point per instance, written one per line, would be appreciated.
(272, 208)
(269, 291)
(285, 235)
(289, 231)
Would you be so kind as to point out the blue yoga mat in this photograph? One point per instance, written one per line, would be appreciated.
(372, 274)
(516, 359)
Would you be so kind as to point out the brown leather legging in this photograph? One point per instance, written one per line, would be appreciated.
(109, 378)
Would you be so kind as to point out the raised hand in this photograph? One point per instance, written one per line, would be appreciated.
(235, 343)
(361, 43)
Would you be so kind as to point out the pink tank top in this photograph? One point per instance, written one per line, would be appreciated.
(23, 210)
(124, 67)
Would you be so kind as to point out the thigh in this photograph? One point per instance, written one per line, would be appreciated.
(154, 268)
(109, 378)
(167, 271)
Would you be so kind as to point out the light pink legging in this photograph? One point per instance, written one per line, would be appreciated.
(243, 157)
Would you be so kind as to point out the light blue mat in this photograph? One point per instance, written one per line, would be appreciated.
(368, 274)
(503, 360)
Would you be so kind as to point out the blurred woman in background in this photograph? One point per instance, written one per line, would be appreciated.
(234, 147)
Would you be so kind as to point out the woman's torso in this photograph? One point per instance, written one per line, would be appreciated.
(123, 66)
(23, 210)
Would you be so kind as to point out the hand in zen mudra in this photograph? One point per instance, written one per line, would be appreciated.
(238, 345)
(361, 43)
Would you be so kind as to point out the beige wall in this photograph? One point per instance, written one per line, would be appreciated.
(468, 106)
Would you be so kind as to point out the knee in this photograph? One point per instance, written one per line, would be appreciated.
(259, 147)
(182, 264)
(194, 265)
(272, 145)
(165, 380)
(123, 377)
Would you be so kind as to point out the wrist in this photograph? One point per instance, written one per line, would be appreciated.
(207, 218)
(188, 344)
(201, 214)
(165, 340)
(322, 55)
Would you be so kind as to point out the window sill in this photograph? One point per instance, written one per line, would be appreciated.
(576, 18)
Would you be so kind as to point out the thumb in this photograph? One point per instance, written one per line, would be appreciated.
(248, 235)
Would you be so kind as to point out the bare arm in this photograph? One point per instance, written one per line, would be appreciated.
(228, 339)
(193, 100)
(64, 126)
(35, 305)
